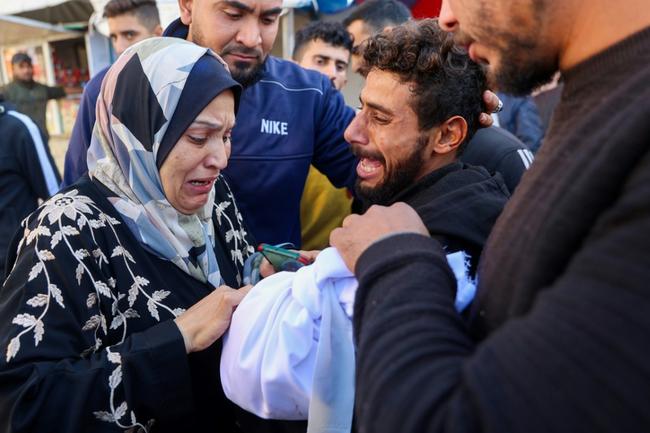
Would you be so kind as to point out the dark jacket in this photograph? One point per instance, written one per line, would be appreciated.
(458, 204)
(499, 152)
(521, 117)
(27, 173)
(86, 325)
(75, 157)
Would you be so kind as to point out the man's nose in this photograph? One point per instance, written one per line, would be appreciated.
(249, 34)
(120, 45)
(447, 20)
(331, 72)
(356, 130)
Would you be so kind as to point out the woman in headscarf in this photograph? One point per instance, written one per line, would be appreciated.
(120, 286)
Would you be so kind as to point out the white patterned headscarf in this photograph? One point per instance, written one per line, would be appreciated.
(148, 98)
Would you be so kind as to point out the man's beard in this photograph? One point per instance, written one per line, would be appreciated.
(524, 71)
(403, 175)
(25, 81)
(245, 73)
(524, 64)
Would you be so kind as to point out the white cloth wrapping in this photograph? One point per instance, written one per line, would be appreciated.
(290, 344)
(289, 352)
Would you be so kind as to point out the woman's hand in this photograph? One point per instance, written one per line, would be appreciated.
(208, 319)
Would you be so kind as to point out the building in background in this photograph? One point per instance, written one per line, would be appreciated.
(68, 42)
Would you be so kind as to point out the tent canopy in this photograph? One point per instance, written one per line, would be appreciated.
(50, 11)
(23, 31)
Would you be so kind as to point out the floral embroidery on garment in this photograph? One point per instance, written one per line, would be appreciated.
(62, 217)
(236, 235)
(72, 231)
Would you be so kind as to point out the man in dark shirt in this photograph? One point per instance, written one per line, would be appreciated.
(558, 335)
(29, 96)
(493, 148)
(409, 145)
(27, 174)
(129, 22)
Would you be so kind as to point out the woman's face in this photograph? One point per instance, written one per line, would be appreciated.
(191, 168)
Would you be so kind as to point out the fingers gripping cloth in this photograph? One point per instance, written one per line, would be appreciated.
(289, 352)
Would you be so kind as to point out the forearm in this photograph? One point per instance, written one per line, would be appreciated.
(409, 336)
(574, 362)
(144, 378)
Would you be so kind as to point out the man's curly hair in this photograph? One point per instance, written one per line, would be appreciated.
(445, 82)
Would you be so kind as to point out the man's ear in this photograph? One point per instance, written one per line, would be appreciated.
(450, 134)
(185, 7)
(158, 31)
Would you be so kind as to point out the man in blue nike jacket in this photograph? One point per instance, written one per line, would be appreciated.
(288, 117)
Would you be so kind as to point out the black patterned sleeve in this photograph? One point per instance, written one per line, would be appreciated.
(69, 361)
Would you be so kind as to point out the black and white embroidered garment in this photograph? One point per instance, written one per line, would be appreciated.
(103, 268)
(86, 323)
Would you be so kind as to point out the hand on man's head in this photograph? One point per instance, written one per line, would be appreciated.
(493, 105)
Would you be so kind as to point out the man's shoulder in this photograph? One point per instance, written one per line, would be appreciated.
(11, 129)
(499, 151)
(12, 84)
(96, 81)
(14, 124)
(491, 145)
(288, 77)
(11, 88)
(94, 86)
(498, 139)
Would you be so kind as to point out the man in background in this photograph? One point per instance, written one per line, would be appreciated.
(129, 21)
(27, 174)
(323, 46)
(29, 96)
(521, 117)
(370, 18)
